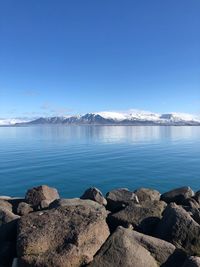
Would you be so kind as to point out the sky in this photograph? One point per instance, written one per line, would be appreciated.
(62, 57)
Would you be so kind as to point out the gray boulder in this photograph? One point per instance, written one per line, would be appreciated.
(119, 199)
(178, 195)
(41, 196)
(63, 237)
(178, 227)
(94, 194)
(129, 248)
(147, 195)
(142, 217)
(192, 262)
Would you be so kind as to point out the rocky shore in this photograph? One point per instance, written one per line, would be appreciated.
(123, 229)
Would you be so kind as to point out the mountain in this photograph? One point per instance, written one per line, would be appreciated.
(9, 122)
(113, 118)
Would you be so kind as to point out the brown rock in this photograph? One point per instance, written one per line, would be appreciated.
(178, 195)
(178, 227)
(62, 237)
(129, 248)
(5, 204)
(142, 217)
(7, 216)
(15, 201)
(94, 194)
(147, 195)
(24, 208)
(65, 202)
(119, 199)
(37, 195)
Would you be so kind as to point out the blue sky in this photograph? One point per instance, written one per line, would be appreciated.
(61, 57)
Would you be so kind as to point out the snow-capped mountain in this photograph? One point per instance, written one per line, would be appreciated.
(114, 118)
(10, 122)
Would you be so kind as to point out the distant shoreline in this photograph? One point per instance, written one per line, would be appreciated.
(103, 125)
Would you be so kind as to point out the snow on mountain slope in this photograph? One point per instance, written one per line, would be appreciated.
(113, 115)
(132, 117)
(149, 116)
(12, 121)
(179, 117)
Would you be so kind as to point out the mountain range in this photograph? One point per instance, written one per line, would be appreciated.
(110, 118)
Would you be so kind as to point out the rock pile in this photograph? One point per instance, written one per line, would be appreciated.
(123, 229)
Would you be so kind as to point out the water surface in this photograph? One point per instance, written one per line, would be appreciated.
(72, 158)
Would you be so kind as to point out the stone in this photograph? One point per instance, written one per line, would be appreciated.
(119, 199)
(7, 253)
(63, 202)
(24, 208)
(191, 203)
(15, 262)
(178, 227)
(147, 195)
(192, 262)
(15, 201)
(94, 194)
(36, 195)
(7, 216)
(5, 204)
(62, 237)
(5, 197)
(8, 225)
(197, 196)
(129, 248)
(144, 218)
(178, 195)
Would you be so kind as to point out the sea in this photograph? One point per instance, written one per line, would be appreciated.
(73, 158)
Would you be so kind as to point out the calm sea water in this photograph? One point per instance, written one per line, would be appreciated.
(74, 158)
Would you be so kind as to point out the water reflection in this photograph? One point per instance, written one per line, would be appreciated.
(105, 134)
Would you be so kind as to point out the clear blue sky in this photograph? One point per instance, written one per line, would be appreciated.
(77, 56)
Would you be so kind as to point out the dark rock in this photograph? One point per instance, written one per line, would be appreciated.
(144, 218)
(119, 199)
(37, 195)
(193, 208)
(129, 248)
(24, 208)
(7, 253)
(178, 195)
(191, 203)
(192, 262)
(197, 196)
(15, 201)
(94, 194)
(178, 227)
(147, 195)
(8, 224)
(62, 237)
